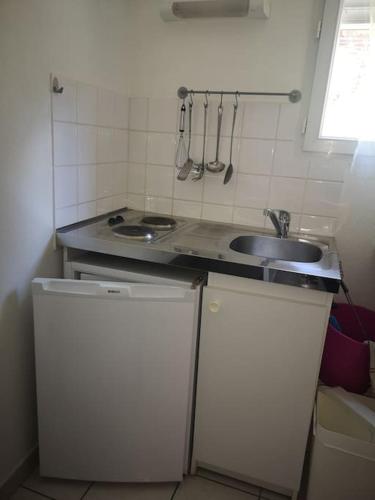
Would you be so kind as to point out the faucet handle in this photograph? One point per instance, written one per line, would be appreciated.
(284, 216)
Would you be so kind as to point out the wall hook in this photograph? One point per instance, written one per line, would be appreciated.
(56, 86)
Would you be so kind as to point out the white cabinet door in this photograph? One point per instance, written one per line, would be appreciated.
(260, 351)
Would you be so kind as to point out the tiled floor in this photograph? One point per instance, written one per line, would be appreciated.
(206, 486)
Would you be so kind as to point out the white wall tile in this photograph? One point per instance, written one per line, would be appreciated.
(217, 213)
(289, 123)
(86, 183)
(248, 217)
(125, 140)
(117, 172)
(121, 111)
(158, 205)
(103, 206)
(188, 190)
(286, 194)
(256, 156)
(135, 201)
(137, 147)
(138, 113)
(159, 181)
(104, 181)
(87, 210)
(65, 143)
(64, 106)
(119, 146)
(161, 149)
(86, 144)
(323, 198)
(118, 202)
(252, 191)
(136, 178)
(183, 208)
(65, 216)
(328, 169)
(104, 143)
(87, 100)
(318, 225)
(162, 116)
(106, 108)
(125, 168)
(215, 191)
(66, 186)
(289, 161)
(197, 117)
(260, 120)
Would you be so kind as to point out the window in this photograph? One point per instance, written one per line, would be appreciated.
(340, 78)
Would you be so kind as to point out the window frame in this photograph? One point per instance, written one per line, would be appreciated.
(323, 69)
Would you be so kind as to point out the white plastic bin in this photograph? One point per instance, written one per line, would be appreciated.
(342, 464)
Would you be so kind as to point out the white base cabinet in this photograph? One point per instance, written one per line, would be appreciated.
(259, 359)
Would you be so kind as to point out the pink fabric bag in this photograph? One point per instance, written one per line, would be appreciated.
(346, 355)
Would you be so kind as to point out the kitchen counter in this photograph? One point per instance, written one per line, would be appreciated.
(205, 245)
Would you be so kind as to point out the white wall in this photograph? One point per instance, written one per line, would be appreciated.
(230, 53)
(83, 38)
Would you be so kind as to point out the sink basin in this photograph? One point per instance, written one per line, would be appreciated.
(276, 248)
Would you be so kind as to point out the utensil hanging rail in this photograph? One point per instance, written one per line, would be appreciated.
(293, 96)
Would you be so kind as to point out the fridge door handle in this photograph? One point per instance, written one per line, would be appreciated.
(78, 287)
(110, 289)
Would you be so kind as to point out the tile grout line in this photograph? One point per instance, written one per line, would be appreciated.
(87, 490)
(175, 490)
(37, 492)
(226, 485)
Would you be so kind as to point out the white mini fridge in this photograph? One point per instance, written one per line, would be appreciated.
(115, 376)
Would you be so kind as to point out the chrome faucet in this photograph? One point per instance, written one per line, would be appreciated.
(281, 221)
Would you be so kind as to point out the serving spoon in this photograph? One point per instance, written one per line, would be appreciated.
(229, 171)
(217, 166)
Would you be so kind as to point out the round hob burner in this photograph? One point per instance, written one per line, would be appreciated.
(141, 233)
(161, 223)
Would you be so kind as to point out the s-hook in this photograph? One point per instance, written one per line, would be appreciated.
(56, 86)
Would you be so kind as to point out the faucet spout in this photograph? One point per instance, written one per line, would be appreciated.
(280, 222)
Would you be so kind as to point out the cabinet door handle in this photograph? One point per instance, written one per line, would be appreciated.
(214, 306)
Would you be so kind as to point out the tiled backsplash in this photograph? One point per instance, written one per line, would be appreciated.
(90, 149)
(270, 169)
(110, 151)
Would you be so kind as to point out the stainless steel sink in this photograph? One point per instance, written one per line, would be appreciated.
(276, 248)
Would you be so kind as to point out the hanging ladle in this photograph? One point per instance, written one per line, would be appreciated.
(229, 171)
(217, 165)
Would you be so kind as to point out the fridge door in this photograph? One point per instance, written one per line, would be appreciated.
(114, 368)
